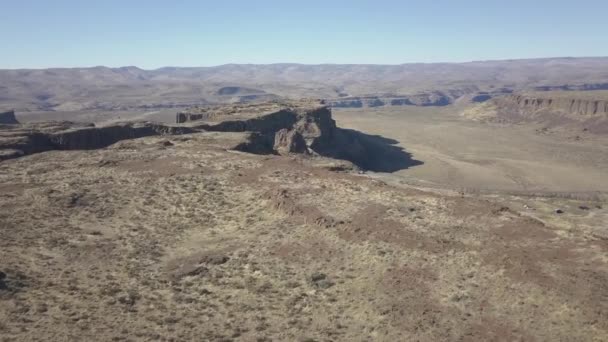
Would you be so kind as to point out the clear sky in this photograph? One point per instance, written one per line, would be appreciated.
(155, 33)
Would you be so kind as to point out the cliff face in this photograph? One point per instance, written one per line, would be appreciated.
(8, 118)
(574, 105)
(423, 99)
(300, 127)
(183, 117)
(282, 131)
(586, 111)
(34, 138)
(308, 128)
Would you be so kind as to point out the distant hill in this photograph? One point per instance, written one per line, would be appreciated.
(131, 87)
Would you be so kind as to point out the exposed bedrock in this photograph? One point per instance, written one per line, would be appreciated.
(183, 117)
(99, 137)
(423, 99)
(574, 87)
(565, 104)
(578, 111)
(22, 140)
(8, 118)
(313, 131)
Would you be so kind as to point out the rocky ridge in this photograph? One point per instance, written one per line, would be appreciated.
(566, 104)
(8, 118)
(20, 140)
(305, 127)
(587, 111)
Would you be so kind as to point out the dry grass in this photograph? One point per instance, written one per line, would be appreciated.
(193, 242)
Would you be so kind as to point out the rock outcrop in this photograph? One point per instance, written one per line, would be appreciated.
(289, 141)
(299, 128)
(422, 99)
(574, 87)
(19, 140)
(583, 110)
(8, 118)
(566, 104)
(183, 117)
(306, 127)
(296, 127)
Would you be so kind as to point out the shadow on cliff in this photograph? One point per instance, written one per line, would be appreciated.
(369, 152)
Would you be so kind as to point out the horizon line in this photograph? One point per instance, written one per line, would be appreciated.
(310, 64)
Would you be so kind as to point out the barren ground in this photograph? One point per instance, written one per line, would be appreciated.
(188, 240)
(463, 154)
(143, 241)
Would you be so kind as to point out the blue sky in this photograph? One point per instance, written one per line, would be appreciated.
(151, 34)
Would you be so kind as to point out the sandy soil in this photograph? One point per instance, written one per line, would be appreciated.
(462, 154)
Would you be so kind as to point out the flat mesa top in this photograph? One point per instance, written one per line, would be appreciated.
(253, 110)
(588, 95)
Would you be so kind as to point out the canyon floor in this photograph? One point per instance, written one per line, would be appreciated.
(466, 155)
(498, 233)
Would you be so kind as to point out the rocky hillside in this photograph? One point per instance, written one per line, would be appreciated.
(586, 111)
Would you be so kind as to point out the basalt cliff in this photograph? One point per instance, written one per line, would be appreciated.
(586, 111)
(304, 127)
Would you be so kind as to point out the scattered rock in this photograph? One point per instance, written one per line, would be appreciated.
(104, 163)
(166, 143)
(321, 280)
(214, 259)
(500, 210)
(3, 285)
(559, 211)
(326, 222)
(129, 298)
(318, 276)
(75, 199)
(583, 207)
(200, 270)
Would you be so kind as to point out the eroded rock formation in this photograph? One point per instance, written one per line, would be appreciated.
(307, 127)
(573, 104)
(422, 99)
(8, 118)
(289, 141)
(587, 111)
(26, 139)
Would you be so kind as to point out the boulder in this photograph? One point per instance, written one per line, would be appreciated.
(289, 141)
